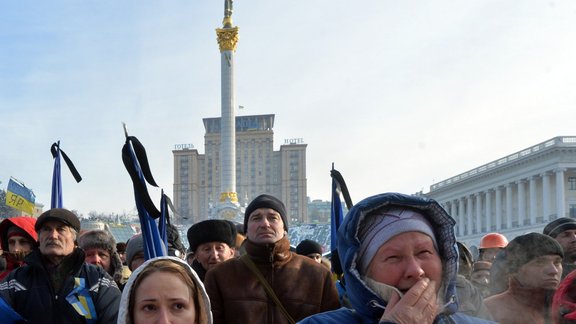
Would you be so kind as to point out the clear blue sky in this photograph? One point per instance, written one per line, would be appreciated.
(398, 94)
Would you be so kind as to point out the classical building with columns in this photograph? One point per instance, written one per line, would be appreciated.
(516, 194)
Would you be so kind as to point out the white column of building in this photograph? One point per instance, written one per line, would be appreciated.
(478, 198)
(453, 211)
(469, 212)
(509, 205)
(498, 194)
(461, 221)
(545, 197)
(560, 193)
(533, 200)
(488, 208)
(521, 201)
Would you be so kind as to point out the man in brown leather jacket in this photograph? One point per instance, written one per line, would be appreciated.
(302, 286)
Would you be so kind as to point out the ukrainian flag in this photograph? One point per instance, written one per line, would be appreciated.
(20, 197)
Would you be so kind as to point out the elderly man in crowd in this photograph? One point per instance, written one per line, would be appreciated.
(56, 285)
(212, 242)
(100, 249)
(269, 284)
(399, 258)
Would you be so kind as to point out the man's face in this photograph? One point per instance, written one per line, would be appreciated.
(98, 257)
(265, 225)
(480, 278)
(567, 240)
(137, 261)
(19, 243)
(404, 260)
(211, 253)
(489, 254)
(315, 256)
(56, 239)
(541, 272)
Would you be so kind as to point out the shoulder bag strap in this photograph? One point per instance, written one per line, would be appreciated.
(246, 259)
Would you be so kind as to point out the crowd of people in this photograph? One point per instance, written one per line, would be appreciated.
(397, 261)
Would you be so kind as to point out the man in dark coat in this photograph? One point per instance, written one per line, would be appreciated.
(56, 285)
(302, 286)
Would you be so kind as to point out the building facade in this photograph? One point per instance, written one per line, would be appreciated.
(513, 195)
(259, 169)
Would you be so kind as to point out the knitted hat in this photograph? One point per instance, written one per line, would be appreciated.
(381, 225)
(134, 245)
(58, 214)
(307, 247)
(559, 225)
(100, 239)
(525, 248)
(212, 230)
(266, 201)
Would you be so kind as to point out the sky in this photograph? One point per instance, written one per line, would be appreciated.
(398, 95)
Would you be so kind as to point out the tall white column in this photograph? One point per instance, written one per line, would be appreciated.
(560, 193)
(533, 200)
(453, 211)
(478, 202)
(545, 197)
(521, 202)
(227, 41)
(488, 208)
(469, 211)
(461, 216)
(498, 196)
(509, 205)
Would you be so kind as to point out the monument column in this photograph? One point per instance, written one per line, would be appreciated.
(227, 206)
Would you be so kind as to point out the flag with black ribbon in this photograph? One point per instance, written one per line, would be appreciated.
(56, 199)
(339, 190)
(136, 163)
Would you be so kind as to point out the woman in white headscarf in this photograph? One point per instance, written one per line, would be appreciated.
(164, 288)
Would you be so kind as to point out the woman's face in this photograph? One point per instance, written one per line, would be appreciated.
(163, 297)
(404, 260)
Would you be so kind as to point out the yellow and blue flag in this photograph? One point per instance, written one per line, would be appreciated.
(19, 197)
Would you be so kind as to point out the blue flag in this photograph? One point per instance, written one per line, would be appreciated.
(339, 189)
(19, 197)
(136, 163)
(56, 198)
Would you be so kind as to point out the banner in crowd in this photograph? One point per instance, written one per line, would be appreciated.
(19, 197)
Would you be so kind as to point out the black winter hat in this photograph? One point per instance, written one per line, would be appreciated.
(58, 214)
(212, 230)
(308, 247)
(525, 248)
(100, 239)
(266, 201)
(559, 225)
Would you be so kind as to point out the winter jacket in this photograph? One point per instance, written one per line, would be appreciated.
(519, 305)
(368, 307)
(302, 285)
(564, 301)
(124, 316)
(29, 291)
(27, 225)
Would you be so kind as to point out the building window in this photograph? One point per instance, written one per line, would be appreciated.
(571, 183)
(572, 211)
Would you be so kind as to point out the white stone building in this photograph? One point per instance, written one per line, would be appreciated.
(516, 194)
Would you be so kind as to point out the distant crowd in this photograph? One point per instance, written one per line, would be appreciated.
(397, 261)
